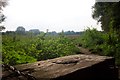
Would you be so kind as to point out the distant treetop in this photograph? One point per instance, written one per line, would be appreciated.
(20, 29)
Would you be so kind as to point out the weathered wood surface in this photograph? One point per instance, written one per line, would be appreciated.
(71, 67)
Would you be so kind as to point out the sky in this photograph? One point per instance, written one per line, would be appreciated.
(55, 15)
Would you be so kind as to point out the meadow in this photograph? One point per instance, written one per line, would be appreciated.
(28, 48)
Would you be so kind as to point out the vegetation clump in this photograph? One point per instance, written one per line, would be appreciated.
(99, 42)
(21, 48)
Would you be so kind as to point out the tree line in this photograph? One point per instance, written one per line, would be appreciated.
(22, 30)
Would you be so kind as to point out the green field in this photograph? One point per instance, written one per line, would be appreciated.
(27, 48)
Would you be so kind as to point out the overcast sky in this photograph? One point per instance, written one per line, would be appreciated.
(55, 15)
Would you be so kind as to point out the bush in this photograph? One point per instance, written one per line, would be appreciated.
(101, 43)
(25, 49)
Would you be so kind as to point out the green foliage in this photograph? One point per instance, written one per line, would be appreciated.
(14, 52)
(18, 49)
(109, 16)
(108, 13)
(101, 43)
(91, 38)
(56, 47)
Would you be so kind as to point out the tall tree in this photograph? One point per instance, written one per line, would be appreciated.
(108, 13)
(3, 3)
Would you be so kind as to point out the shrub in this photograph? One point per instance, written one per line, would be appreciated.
(41, 47)
(101, 43)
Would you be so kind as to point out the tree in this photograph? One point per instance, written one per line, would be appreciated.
(108, 13)
(2, 28)
(20, 30)
(3, 3)
(34, 31)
